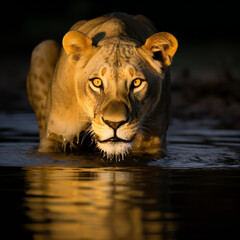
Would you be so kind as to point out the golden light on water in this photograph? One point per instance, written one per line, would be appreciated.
(75, 203)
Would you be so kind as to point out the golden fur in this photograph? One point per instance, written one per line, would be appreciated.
(110, 81)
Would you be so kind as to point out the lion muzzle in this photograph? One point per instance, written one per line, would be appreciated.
(115, 114)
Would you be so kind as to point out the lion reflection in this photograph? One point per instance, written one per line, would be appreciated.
(73, 203)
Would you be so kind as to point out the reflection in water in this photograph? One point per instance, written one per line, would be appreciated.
(97, 203)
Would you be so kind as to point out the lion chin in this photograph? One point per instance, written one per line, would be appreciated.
(114, 150)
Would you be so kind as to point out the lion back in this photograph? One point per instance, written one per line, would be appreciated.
(43, 62)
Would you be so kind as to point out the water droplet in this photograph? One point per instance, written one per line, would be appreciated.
(64, 144)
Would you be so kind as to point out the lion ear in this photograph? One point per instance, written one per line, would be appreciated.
(75, 43)
(162, 46)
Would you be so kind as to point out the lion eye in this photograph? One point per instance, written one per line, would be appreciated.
(137, 82)
(97, 82)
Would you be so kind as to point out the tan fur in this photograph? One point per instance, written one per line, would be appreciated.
(43, 62)
(115, 49)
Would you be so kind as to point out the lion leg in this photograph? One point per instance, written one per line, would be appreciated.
(43, 61)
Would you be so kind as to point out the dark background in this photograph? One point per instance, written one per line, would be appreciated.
(25, 23)
(205, 71)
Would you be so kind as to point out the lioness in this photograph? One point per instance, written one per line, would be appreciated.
(110, 82)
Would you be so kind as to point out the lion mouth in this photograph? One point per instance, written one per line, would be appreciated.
(114, 147)
(114, 144)
(115, 139)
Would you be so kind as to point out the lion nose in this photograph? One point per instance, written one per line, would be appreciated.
(115, 114)
(114, 125)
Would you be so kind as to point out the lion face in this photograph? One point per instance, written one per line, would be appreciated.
(119, 84)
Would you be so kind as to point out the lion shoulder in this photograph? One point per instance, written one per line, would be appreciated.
(137, 27)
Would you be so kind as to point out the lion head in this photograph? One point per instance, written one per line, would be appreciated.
(118, 82)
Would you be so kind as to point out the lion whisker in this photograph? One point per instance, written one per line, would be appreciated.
(144, 130)
(88, 132)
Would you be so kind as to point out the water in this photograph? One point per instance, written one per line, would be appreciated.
(193, 193)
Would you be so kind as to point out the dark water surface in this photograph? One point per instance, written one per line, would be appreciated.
(193, 193)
